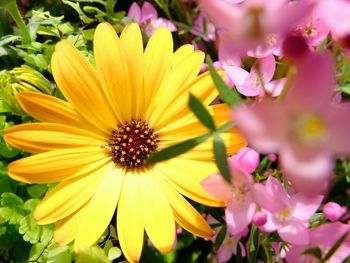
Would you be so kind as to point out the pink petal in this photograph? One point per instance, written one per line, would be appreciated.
(148, 12)
(301, 95)
(135, 12)
(264, 125)
(249, 90)
(225, 252)
(338, 122)
(229, 58)
(238, 215)
(303, 206)
(294, 232)
(275, 87)
(239, 176)
(217, 186)
(237, 74)
(309, 170)
(267, 67)
(271, 225)
(248, 159)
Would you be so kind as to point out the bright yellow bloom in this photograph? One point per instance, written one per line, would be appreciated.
(133, 103)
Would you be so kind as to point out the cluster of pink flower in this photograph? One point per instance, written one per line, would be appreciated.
(305, 125)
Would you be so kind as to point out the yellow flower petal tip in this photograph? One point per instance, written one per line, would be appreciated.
(133, 103)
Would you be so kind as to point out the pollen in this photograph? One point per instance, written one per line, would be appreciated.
(132, 143)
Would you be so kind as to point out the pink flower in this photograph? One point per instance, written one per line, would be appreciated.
(258, 81)
(241, 207)
(244, 26)
(323, 237)
(248, 159)
(306, 128)
(229, 246)
(147, 17)
(288, 215)
(207, 31)
(333, 211)
(259, 218)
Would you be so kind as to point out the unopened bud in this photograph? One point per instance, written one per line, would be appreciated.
(333, 211)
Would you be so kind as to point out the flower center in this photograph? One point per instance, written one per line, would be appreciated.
(132, 143)
(311, 128)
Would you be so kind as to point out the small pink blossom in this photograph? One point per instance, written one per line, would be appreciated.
(203, 27)
(323, 237)
(258, 81)
(288, 215)
(241, 206)
(306, 128)
(229, 246)
(147, 17)
(333, 211)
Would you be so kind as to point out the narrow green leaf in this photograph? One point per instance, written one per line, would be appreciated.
(220, 237)
(225, 127)
(239, 257)
(220, 157)
(201, 112)
(176, 149)
(253, 248)
(229, 96)
(336, 246)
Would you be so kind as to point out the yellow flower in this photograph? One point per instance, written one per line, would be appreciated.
(95, 145)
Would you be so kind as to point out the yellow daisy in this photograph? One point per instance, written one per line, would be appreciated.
(133, 103)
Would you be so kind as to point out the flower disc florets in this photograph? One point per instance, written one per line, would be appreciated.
(132, 143)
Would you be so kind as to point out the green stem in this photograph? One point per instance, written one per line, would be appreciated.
(13, 10)
(290, 75)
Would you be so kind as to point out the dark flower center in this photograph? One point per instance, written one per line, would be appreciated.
(132, 143)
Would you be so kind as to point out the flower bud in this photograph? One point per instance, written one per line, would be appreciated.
(21, 79)
(259, 219)
(333, 211)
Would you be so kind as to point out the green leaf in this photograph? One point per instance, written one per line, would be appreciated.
(177, 149)
(315, 251)
(76, 6)
(10, 199)
(35, 252)
(37, 190)
(60, 254)
(221, 157)
(114, 252)
(29, 229)
(201, 112)
(253, 247)
(229, 96)
(336, 246)
(220, 237)
(92, 255)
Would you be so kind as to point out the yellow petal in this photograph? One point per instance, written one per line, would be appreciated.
(130, 218)
(66, 229)
(100, 209)
(113, 71)
(57, 165)
(202, 87)
(47, 108)
(174, 83)
(78, 81)
(134, 59)
(157, 61)
(181, 54)
(186, 175)
(158, 216)
(43, 137)
(68, 196)
(185, 215)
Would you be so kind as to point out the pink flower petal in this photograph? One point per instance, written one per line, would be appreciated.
(264, 125)
(295, 233)
(135, 12)
(217, 186)
(237, 74)
(303, 206)
(148, 12)
(275, 87)
(267, 67)
(301, 95)
(238, 215)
